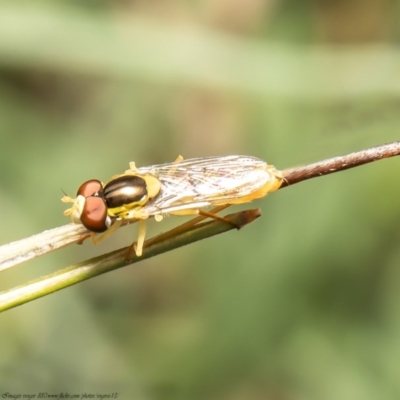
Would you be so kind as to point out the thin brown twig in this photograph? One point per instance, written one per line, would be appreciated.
(340, 163)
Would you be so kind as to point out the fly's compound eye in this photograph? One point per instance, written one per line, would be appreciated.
(124, 191)
(94, 215)
(90, 188)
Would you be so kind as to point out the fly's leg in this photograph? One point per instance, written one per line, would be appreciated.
(213, 215)
(97, 239)
(116, 225)
(178, 159)
(132, 168)
(84, 237)
(202, 216)
(137, 247)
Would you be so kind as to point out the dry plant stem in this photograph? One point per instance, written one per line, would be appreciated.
(22, 250)
(117, 259)
(341, 163)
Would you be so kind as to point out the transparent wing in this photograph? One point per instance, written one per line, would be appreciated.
(201, 182)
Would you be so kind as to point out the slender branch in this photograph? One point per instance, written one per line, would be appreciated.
(340, 163)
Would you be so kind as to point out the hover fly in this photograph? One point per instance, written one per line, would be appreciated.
(183, 187)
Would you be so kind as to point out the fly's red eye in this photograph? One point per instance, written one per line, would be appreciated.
(94, 214)
(89, 188)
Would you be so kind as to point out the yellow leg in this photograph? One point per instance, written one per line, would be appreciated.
(84, 237)
(212, 215)
(97, 239)
(132, 168)
(204, 215)
(138, 246)
(178, 159)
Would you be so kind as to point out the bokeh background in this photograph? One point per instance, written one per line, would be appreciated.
(304, 303)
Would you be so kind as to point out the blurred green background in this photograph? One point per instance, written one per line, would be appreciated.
(302, 304)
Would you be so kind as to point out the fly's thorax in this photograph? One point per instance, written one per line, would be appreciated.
(125, 190)
(128, 192)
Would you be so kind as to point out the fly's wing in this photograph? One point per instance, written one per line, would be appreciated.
(201, 182)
